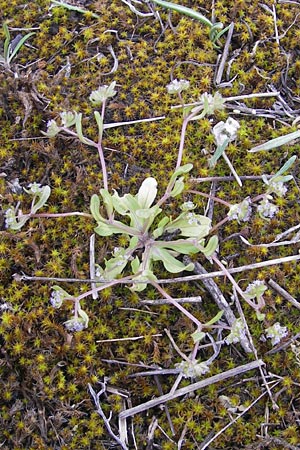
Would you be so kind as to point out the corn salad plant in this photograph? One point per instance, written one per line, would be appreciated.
(153, 236)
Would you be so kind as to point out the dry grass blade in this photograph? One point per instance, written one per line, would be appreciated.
(192, 387)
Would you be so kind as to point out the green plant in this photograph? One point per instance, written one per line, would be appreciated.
(215, 29)
(11, 48)
(151, 234)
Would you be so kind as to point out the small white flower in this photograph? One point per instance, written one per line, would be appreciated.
(176, 87)
(192, 369)
(276, 332)
(255, 289)
(212, 103)
(187, 206)
(68, 118)
(76, 324)
(237, 332)
(10, 217)
(277, 187)
(102, 93)
(34, 188)
(52, 128)
(241, 211)
(267, 209)
(223, 131)
(56, 299)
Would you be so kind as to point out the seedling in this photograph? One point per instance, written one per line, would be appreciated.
(11, 48)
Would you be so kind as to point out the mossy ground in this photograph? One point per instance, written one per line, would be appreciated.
(44, 399)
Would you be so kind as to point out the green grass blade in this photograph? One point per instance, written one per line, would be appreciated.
(19, 45)
(184, 10)
(6, 42)
(74, 8)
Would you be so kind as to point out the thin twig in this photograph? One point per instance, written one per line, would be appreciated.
(191, 388)
(92, 266)
(221, 67)
(96, 398)
(219, 273)
(283, 293)
(220, 300)
(207, 443)
(165, 301)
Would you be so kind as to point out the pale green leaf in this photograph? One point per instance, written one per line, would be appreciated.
(277, 142)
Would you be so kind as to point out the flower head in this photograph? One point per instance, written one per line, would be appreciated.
(241, 211)
(10, 218)
(276, 332)
(187, 206)
(102, 93)
(255, 289)
(192, 369)
(56, 299)
(34, 188)
(176, 87)
(267, 209)
(52, 128)
(212, 103)
(237, 332)
(225, 131)
(277, 187)
(68, 118)
(75, 324)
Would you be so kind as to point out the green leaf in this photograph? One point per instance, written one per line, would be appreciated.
(183, 246)
(178, 187)
(120, 203)
(84, 316)
(170, 263)
(19, 45)
(215, 319)
(95, 208)
(6, 42)
(218, 153)
(160, 227)
(147, 193)
(99, 121)
(74, 8)
(78, 125)
(211, 246)
(135, 265)
(107, 229)
(277, 142)
(180, 171)
(108, 202)
(197, 336)
(114, 267)
(184, 10)
(43, 196)
(284, 168)
(190, 225)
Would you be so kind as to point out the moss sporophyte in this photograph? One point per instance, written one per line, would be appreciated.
(151, 234)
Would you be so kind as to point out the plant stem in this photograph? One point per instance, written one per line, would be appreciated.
(177, 305)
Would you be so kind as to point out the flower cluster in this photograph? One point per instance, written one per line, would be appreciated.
(192, 369)
(212, 103)
(266, 209)
(276, 332)
(102, 94)
(176, 87)
(225, 131)
(240, 211)
(237, 333)
(75, 324)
